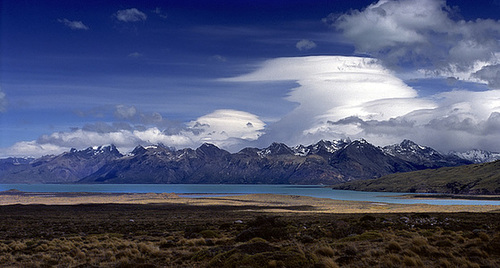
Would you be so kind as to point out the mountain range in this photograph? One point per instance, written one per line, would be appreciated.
(326, 162)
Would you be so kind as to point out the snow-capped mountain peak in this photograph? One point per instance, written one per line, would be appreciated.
(478, 156)
(275, 149)
(301, 150)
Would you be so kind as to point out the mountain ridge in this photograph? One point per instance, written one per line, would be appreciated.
(325, 162)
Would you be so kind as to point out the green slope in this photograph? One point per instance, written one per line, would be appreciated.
(470, 179)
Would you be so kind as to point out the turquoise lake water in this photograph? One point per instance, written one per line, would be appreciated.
(200, 190)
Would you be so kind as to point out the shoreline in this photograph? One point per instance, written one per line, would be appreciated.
(265, 202)
(438, 196)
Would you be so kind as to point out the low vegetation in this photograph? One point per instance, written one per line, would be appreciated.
(470, 179)
(175, 235)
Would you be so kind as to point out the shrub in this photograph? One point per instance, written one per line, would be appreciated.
(444, 243)
(6, 258)
(405, 234)
(419, 241)
(391, 260)
(444, 263)
(366, 236)
(4, 248)
(326, 263)
(325, 251)
(412, 261)
(375, 253)
(494, 245)
(484, 237)
(257, 240)
(393, 246)
(209, 234)
(147, 248)
(350, 250)
(367, 217)
(79, 254)
(272, 264)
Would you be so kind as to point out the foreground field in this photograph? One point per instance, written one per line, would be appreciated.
(243, 231)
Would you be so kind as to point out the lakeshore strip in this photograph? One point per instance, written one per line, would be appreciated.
(267, 202)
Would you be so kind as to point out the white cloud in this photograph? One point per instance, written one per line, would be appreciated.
(422, 33)
(162, 14)
(219, 58)
(135, 55)
(3, 101)
(359, 98)
(305, 44)
(392, 23)
(74, 25)
(130, 15)
(221, 127)
(490, 74)
(125, 112)
(156, 136)
(125, 140)
(328, 82)
(461, 120)
(331, 88)
(31, 149)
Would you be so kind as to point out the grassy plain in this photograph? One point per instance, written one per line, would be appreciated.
(165, 230)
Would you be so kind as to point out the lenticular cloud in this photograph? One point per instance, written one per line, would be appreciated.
(332, 88)
(357, 97)
(222, 125)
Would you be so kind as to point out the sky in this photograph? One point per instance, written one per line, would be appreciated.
(76, 74)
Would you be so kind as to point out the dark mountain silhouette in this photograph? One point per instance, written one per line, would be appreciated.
(326, 162)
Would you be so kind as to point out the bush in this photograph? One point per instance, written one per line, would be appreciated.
(326, 263)
(391, 260)
(209, 234)
(268, 228)
(412, 261)
(393, 246)
(325, 251)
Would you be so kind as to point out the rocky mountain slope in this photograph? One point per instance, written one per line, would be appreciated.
(423, 156)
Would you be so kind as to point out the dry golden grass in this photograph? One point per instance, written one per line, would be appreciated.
(270, 202)
(256, 230)
(239, 235)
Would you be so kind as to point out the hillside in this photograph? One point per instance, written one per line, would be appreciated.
(469, 179)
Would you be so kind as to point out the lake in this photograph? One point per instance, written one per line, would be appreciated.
(201, 190)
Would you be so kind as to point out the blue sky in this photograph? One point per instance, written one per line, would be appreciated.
(247, 73)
